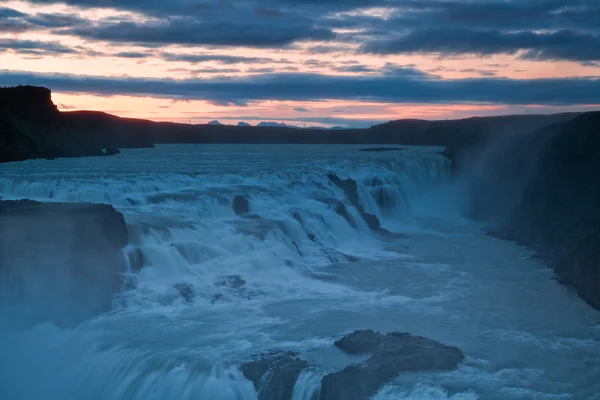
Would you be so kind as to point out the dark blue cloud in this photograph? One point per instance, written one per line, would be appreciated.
(540, 29)
(234, 30)
(220, 58)
(34, 47)
(388, 88)
(10, 13)
(55, 20)
(563, 45)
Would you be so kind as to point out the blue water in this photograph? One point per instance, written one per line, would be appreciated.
(524, 335)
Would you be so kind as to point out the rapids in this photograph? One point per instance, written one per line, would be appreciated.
(295, 274)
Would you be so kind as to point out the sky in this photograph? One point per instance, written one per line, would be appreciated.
(350, 63)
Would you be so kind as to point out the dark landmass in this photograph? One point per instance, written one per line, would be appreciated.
(390, 355)
(275, 373)
(542, 190)
(59, 262)
(32, 127)
(375, 149)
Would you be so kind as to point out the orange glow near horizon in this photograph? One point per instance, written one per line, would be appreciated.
(199, 111)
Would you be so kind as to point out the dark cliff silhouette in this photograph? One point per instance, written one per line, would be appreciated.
(542, 190)
(32, 127)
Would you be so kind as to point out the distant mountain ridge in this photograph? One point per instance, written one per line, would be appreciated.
(32, 127)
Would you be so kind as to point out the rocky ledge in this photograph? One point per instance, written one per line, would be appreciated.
(274, 374)
(59, 262)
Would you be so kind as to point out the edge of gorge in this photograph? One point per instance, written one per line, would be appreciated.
(59, 262)
(541, 189)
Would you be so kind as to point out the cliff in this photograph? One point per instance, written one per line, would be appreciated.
(559, 213)
(59, 262)
(32, 127)
(542, 190)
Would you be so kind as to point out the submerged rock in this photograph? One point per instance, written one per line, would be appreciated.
(186, 290)
(375, 149)
(350, 188)
(112, 151)
(274, 374)
(59, 262)
(241, 205)
(232, 281)
(392, 354)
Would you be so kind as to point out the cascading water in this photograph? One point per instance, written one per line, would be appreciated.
(207, 288)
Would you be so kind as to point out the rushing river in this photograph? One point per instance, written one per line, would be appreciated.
(296, 276)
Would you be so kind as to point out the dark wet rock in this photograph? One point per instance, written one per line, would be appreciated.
(383, 198)
(391, 354)
(136, 259)
(112, 151)
(297, 248)
(274, 374)
(241, 205)
(350, 188)
(541, 189)
(63, 261)
(296, 215)
(352, 258)
(342, 211)
(31, 127)
(232, 281)
(377, 149)
(377, 181)
(322, 276)
(216, 297)
(186, 291)
(259, 227)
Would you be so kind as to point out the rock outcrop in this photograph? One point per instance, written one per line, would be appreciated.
(59, 262)
(350, 189)
(391, 354)
(241, 205)
(274, 374)
(32, 127)
(542, 189)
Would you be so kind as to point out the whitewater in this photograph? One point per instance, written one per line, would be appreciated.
(299, 271)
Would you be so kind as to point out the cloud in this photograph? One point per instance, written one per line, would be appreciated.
(132, 54)
(220, 58)
(301, 109)
(216, 71)
(396, 88)
(327, 49)
(538, 29)
(36, 47)
(56, 20)
(355, 69)
(482, 72)
(261, 70)
(10, 13)
(208, 70)
(217, 32)
(564, 45)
